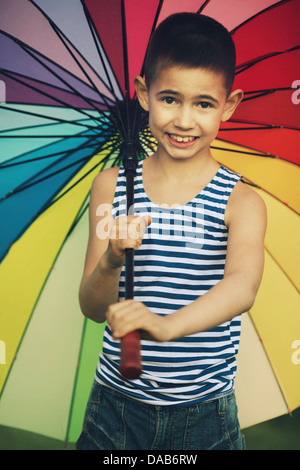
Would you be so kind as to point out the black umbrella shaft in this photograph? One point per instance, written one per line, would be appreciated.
(129, 263)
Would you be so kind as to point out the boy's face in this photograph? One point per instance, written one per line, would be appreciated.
(186, 106)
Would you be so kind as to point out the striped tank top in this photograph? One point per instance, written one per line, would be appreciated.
(182, 256)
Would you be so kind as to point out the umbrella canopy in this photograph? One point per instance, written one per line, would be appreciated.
(67, 70)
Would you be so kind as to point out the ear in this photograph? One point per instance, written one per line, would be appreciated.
(142, 92)
(231, 104)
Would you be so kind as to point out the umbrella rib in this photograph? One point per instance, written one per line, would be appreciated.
(43, 116)
(263, 154)
(80, 110)
(158, 10)
(203, 6)
(251, 183)
(30, 182)
(38, 136)
(5, 165)
(29, 50)
(76, 378)
(103, 161)
(93, 86)
(253, 128)
(259, 126)
(95, 38)
(116, 111)
(11, 162)
(104, 98)
(243, 67)
(282, 269)
(257, 14)
(128, 134)
(76, 92)
(53, 201)
(60, 34)
(8, 74)
(38, 126)
(25, 186)
(124, 43)
(269, 361)
(267, 91)
(30, 160)
(245, 152)
(79, 215)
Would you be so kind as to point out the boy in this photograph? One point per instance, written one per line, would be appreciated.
(191, 216)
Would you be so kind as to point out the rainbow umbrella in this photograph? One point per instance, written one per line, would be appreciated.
(67, 69)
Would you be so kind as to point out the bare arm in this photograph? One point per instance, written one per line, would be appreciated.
(99, 284)
(234, 294)
(108, 240)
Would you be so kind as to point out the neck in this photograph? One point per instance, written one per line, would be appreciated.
(179, 169)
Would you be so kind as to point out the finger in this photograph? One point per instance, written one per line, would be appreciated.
(147, 219)
(124, 317)
(138, 226)
(130, 243)
(116, 311)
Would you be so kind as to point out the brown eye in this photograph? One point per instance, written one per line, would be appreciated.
(205, 104)
(168, 100)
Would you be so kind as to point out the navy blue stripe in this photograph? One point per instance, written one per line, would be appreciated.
(185, 276)
(177, 265)
(166, 284)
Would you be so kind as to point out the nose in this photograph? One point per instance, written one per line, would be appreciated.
(184, 118)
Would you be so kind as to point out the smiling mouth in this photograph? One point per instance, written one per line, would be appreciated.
(182, 139)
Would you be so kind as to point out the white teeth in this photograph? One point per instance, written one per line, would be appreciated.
(181, 139)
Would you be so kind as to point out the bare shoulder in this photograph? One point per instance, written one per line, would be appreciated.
(244, 194)
(245, 202)
(104, 185)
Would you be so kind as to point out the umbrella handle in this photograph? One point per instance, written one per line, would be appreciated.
(130, 366)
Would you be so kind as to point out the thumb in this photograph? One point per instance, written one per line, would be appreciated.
(147, 219)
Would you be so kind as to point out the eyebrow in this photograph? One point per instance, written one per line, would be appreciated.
(176, 93)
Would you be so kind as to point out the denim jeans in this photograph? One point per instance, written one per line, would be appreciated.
(114, 421)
